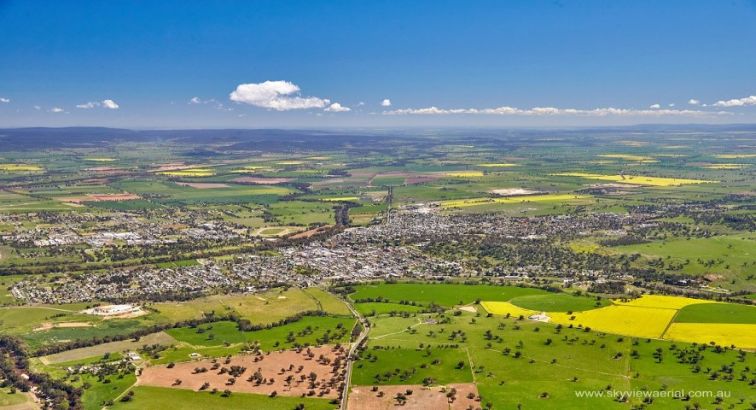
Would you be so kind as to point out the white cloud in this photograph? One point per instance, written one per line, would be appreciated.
(88, 105)
(4, 100)
(737, 102)
(56, 109)
(386, 103)
(671, 104)
(693, 101)
(276, 95)
(37, 107)
(553, 111)
(195, 100)
(110, 104)
(336, 107)
(654, 106)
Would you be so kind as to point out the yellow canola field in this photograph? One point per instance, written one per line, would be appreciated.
(630, 157)
(497, 165)
(725, 166)
(341, 199)
(461, 203)
(662, 302)
(191, 172)
(646, 317)
(725, 334)
(502, 308)
(20, 168)
(621, 320)
(735, 156)
(99, 159)
(464, 174)
(636, 179)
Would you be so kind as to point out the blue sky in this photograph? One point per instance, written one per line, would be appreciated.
(333, 63)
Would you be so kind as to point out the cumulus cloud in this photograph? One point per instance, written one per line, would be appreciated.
(276, 95)
(654, 106)
(109, 104)
(693, 101)
(4, 100)
(737, 102)
(195, 100)
(386, 103)
(336, 107)
(56, 109)
(553, 111)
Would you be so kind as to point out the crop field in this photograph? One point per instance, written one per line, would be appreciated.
(561, 302)
(637, 179)
(190, 172)
(725, 334)
(650, 316)
(717, 313)
(551, 198)
(20, 168)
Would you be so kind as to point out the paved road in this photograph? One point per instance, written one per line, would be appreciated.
(352, 351)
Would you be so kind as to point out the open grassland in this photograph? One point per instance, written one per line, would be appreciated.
(306, 331)
(374, 308)
(161, 398)
(441, 294)
(379, 367)
(539, 365)
(16, 401)
(726, 257)
(636, 179)
(258, 308)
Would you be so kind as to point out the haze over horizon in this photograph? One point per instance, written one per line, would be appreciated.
(178, 64)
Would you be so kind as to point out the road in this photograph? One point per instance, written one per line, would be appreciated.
(352, 353)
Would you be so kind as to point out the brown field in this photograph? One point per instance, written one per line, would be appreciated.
(172, 166)
(203, 185)
(286, 372)
(112, 347)
(422, 398)
(311, 232)
(514, 192)
(261, 180)
(421, 179)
